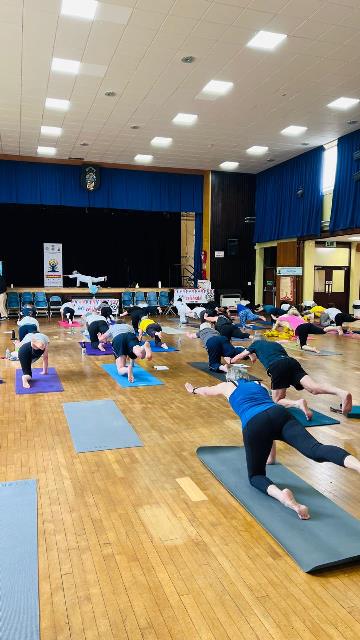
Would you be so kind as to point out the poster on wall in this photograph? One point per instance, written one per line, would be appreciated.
(194, 295)
(53, 270)
(287, 289)
(88, 305)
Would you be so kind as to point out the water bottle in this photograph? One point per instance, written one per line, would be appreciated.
(159, 284)
(13, 335)
(83, 348)
(7, 354)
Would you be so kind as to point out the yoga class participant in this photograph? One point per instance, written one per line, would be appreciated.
(27, 324)
(96, 326)
(301, 328)
(105, 310)
(152, 329)
(225, 326)
(217, 346)
(286, 372)
(88, 280)
(67, 311)
(127, 348)
(31, 348)
(136, 313)
(269, 309)
(263, 422)
(246, 315)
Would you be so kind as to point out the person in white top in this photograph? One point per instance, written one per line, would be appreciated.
(67, 311)
(332, 311)
(88, 280)
(31, 348)
(26, 325)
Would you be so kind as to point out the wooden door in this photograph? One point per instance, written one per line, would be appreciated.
(331, 285)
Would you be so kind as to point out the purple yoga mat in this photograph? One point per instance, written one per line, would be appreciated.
(39, 383)
(90, 351)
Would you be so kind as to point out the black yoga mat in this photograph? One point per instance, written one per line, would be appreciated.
(203, 366)
(329, 538)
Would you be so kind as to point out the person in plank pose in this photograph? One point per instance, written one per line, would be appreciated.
(263, 422)
(88, 280)
(217, 346)
(152, 329)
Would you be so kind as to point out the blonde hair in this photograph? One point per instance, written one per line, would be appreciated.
(293, 312)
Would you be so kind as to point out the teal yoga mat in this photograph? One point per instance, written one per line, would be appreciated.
(355, 412)
(142, 377)
(203, 366)
(19, 597)
(97, 425)
(318, 419)
(331, 536)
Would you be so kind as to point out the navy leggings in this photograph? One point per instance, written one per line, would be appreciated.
(95, 327)
(304, 330)
(230, 331)
(68, 311)
(217, 347)
(24, 329)
(340, 318)
(277, 424)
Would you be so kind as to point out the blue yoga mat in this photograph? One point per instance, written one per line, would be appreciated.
(98, 425)
(157, 349)
(318, 419)
(19, 597)
(142, 377)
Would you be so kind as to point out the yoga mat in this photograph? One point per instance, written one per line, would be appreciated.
(324, 352)
(355, 412)
(256, 327)
(142, 377)
(98, 425)
(39, 383)
(90, 351)
(353, 336)
(318, 419)
(19, 611)
(203, 366)
(157, 349)
(61, 323)
(329, 538)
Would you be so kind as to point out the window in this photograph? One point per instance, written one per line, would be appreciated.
(329, 167)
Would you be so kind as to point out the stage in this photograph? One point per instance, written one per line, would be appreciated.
(84, 291)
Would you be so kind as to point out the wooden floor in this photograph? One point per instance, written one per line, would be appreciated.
(144, 542)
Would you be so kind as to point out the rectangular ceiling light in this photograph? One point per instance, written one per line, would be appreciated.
(229, 166)
(266, 40)
(158, 141)
(79, 8)
(46, 151)
(51, 131)
(217, 88)
(293, 130)
(65, 66)
(143, 158)
(257, 151)
(185, 118)
(55, 103)
(343, 103)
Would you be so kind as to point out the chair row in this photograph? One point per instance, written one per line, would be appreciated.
(130, 298)
(18, 303)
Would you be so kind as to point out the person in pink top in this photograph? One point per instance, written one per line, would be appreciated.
(301, 329)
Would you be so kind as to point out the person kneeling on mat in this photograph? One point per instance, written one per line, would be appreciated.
(152, 329)
(31, 348)
(126, 348)
(136, 313)
(287, 372)
(216, 345)
(263, 422)
(302, 329)
(67, 311)
(27, 324)
(225, 326)
(96, 326)
(106, 311)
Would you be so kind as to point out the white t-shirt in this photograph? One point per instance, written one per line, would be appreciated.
(332, 312)
(67, 304)
(28, 320)
(30, 337)
(93, 317)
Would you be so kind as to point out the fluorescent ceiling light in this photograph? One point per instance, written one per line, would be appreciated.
(79, 8)
(143, 158)
(158, 141)
(46, 151)
(354, 238)
(293, 130)
(51, 131)
(217, 87)
(343, 103)
(266, 40)
(55, 103)
(185, 118)
(229, 166)
(257, 151)
(65, 66)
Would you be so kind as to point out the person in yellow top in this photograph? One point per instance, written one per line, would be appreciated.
(152, 329)
(316, 311)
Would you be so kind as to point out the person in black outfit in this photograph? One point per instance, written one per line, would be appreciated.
(225, 326)
(96, 328)
(127, 348)
(136, 313)
(3, 310)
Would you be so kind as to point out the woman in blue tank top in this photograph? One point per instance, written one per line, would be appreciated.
(263, 421)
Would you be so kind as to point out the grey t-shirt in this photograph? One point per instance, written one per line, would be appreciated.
(30, 337)
(28, 320)
(206, 332)
(115, 329)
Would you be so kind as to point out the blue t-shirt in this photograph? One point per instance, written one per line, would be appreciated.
(249, 399)
(267, 352)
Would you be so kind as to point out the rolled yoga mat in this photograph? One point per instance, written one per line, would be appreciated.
(318, 419)
(203, 366)
(329, 538)
(142, 377)
(19, 611)
(97, 425)
(39, 383)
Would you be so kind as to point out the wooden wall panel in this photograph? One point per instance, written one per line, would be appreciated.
(232, 200)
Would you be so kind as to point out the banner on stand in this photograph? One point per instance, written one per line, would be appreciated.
(53, 270)
(194, 295)
(88, 305)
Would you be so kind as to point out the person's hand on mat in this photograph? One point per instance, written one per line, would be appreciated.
(101, 347)
(131, 377)
(164, 346)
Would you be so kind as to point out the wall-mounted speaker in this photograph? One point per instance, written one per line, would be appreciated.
(233, 246)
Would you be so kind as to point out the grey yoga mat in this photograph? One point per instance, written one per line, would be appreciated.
(19, 609)
(97, 425)
(203, 366)
(329, 538)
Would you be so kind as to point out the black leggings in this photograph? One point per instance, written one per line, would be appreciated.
(106, 312)
(28, 355)
(97, 326)
(151, 330)
(304, 330)
(230, 331)
(68, 311)
(24, 329)
(340, 318)
(277, 424)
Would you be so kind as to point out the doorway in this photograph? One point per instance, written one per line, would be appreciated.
(331, 285)
(269, 295)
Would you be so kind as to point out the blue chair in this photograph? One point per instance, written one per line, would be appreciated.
(164, 301)
(139, 297)
(127, 299)
(41, 303)
(26, 297)
(13, 303)
(152, 298)
(55, 303)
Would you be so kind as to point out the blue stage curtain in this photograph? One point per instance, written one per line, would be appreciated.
(280, 213)
(198, 247)
(59, 184)
(345, 212)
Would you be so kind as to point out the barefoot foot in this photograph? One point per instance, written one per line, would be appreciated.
(346, 402)
(290, 502)
(25, 382)
(303, 405)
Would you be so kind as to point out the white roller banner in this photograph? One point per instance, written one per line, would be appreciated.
(53, 269)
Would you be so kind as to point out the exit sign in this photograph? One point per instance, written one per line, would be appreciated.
(331, 244)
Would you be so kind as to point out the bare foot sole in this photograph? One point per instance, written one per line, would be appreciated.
(25, 383)
(290, 502)
(189, 387)
(223, 367)
(346, 403)
(303, 405)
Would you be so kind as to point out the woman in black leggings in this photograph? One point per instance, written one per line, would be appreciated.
(262, 423)
(31, 348)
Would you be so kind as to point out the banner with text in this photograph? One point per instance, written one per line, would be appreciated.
(194, 295)
(53, 270)
(87, 305)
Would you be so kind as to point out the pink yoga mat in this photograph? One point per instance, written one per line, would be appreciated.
(61, 323)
